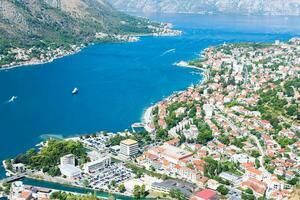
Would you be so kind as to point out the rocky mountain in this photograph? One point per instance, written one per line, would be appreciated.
(24, 23)
(239, 7)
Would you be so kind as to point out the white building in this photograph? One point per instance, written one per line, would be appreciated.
(242, 158)
(94, 155)
(19, 167)
(70, 171)
(67, 160)
(230, 177)
(208, 110)
(212, 184)
(97, 165)
(191, 133)
(16, 188)
(128, 148)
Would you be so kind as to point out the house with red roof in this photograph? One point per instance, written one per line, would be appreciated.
(259, 188)
(205, 194)
(25, 195)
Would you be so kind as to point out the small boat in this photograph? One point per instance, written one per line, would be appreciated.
(12, 99)
(75, 91)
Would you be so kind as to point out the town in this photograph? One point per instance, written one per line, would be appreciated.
(233, 136)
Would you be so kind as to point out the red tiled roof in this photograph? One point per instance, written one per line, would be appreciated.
(206, 194)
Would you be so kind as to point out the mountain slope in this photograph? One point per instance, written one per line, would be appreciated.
(57, 23)
(240, 7)
(30, 20)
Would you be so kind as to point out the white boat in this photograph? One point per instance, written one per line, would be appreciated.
(12, 99)
(75, 91)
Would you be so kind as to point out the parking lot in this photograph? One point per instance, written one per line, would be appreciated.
(116, 172)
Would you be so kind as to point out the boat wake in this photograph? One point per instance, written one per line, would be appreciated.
(168, 51)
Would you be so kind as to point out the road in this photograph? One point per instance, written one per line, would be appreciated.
(261, 151)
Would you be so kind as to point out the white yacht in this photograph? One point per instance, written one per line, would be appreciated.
(75, 91)
(12, 99)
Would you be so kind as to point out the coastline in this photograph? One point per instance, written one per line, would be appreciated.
(146, 118)
(147, 114)
(165, 32)
(40, 62)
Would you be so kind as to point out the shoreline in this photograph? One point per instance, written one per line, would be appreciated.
(147, 114)
(118, 39)
(40, 62)
(146, 118)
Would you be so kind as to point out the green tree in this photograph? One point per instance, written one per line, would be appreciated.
(204, 137)
(137, 192)
(292, 110)
(249, 191)
(122, 188)
(223, 190)
(164, 177)
(49, 155)
(257, 163)
(54, 171)
(143, 191)
(113, 183)
(7, 187)
(255, 153)
(182, 139)
(246, 196)
(8, 164)
(177, 194)
(86, 183)
(161, 134)
(289, 91)
(293, 181)
(111, 197)
(224, 139)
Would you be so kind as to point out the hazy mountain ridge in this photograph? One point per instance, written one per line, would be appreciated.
(239, 7)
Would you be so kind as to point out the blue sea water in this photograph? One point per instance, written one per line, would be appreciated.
(116, 81)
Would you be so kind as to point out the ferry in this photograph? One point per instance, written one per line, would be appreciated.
(75, 91)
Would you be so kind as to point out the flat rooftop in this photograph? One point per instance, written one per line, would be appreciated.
(175, 152)
(129, 142)
(185, 187)
(95, 162)
(69, 168)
